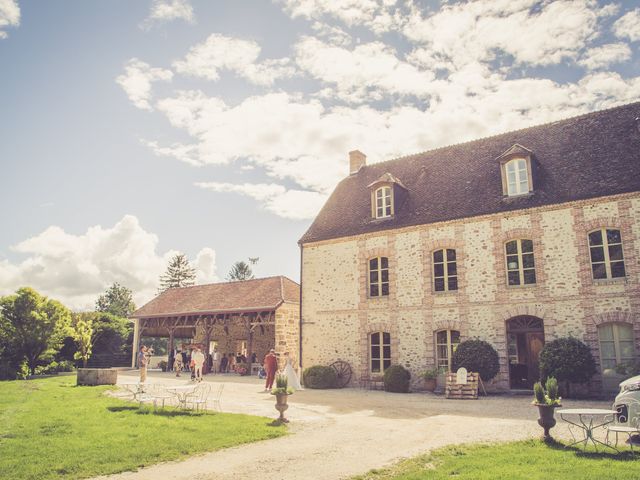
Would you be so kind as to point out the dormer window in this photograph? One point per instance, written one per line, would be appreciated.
(384, 202)
(517, 177)
(387, 197)
(516, 173)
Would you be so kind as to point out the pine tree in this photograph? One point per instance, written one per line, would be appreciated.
(179, 273)
(240, 271)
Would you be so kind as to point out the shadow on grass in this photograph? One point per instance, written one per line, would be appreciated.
(160, 413)
(621, 456)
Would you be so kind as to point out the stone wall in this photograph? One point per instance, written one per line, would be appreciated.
(338, 316)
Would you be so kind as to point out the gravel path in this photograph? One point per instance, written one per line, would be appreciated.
(339, 433)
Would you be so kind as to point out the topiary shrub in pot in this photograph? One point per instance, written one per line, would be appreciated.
(568, 360)
(477, 356)
(319, 377)
(397, 379)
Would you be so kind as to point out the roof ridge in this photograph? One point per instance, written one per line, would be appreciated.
(538, 125)
(224, 283)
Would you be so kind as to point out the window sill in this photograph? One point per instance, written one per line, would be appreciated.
(445, 293)
(375, 299)
(609, 281)
(381, 219)
(508, 198)
(525, 286)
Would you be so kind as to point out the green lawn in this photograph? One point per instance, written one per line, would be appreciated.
(527, 460)
(51, 428)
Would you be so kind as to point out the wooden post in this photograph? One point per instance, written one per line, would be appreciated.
(249, 344)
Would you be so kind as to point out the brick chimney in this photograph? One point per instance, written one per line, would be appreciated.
(357, 160)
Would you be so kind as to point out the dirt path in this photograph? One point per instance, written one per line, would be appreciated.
(339, 433)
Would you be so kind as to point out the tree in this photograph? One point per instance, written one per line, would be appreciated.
(117, 300)
(568, 360)
(37, 324)
(111, 333)
(179, 273)
(477, 356)
(240, 271)
(84, 335)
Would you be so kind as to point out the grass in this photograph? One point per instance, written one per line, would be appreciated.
(526, 460)
(51, 428)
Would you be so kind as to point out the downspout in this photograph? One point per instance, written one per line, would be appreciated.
(300, 319)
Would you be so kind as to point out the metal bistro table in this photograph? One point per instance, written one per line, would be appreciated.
(585, 421)
(182, 392)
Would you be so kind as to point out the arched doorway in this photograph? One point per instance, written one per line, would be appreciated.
(525, 339)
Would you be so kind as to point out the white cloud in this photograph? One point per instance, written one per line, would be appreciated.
(163, 11)
(9, 16)
(602, 57)
(379, 15)
(628, 26)
(292, 204)
(219, 52)
(461, 33)
(137, 80)
(76, 269)
(362, 73)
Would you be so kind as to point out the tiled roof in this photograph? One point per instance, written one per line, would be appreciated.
(588, 156)
(248, 295)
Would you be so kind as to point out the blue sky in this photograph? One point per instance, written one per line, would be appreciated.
(130, 130)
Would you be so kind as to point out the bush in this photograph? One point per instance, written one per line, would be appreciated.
(55, 367)
(319, 376)
(477, 356)
(568, 360)
(396, 379)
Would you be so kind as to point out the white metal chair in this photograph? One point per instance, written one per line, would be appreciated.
(624, 422)
(160, 394)
(216, 396)
(199, 396)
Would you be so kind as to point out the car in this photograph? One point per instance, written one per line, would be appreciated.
(627, 406)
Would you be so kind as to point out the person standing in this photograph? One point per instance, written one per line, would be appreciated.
(292, 377)
(223, 363)
(177, 363)
(231, 365)
(215, 366)
(270, 366)
(198, 362)
(142, 363)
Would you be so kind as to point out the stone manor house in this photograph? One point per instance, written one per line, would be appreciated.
(516, 239)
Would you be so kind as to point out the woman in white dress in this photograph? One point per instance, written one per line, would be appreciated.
(292, 377)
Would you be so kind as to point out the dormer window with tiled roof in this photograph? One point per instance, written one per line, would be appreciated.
(387, 194)
(515, 169)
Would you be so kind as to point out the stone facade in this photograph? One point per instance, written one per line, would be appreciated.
(338, 316)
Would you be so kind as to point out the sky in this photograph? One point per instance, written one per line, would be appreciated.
(133, 130)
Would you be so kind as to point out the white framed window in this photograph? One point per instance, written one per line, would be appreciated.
(605, 250)
(521, 268)
(446, 343)
(383, 202)
(445, 271)
(616, 344)
(517, 177)
(380, 351)
(378, 277)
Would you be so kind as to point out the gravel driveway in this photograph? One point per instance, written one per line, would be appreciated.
(339, 433)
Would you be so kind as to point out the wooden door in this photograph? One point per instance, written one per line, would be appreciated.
(535, 342)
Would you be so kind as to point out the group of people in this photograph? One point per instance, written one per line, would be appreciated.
(195, 360)
(270, 366)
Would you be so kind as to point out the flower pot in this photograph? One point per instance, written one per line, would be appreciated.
(281, 406)
(430, 384)
(546, 420)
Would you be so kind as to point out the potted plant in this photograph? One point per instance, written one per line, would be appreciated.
(546, 399)
(282, 391)
(430, 377)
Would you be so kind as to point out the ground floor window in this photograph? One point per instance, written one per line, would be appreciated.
(616, 344)
(380, 346)
(446, 343)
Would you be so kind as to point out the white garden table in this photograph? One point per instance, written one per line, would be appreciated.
(182, 392)
(584, 420)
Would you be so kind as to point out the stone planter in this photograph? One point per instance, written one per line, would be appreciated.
(282, 406)
(97, 376)
(546, 420)
(430, 384)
